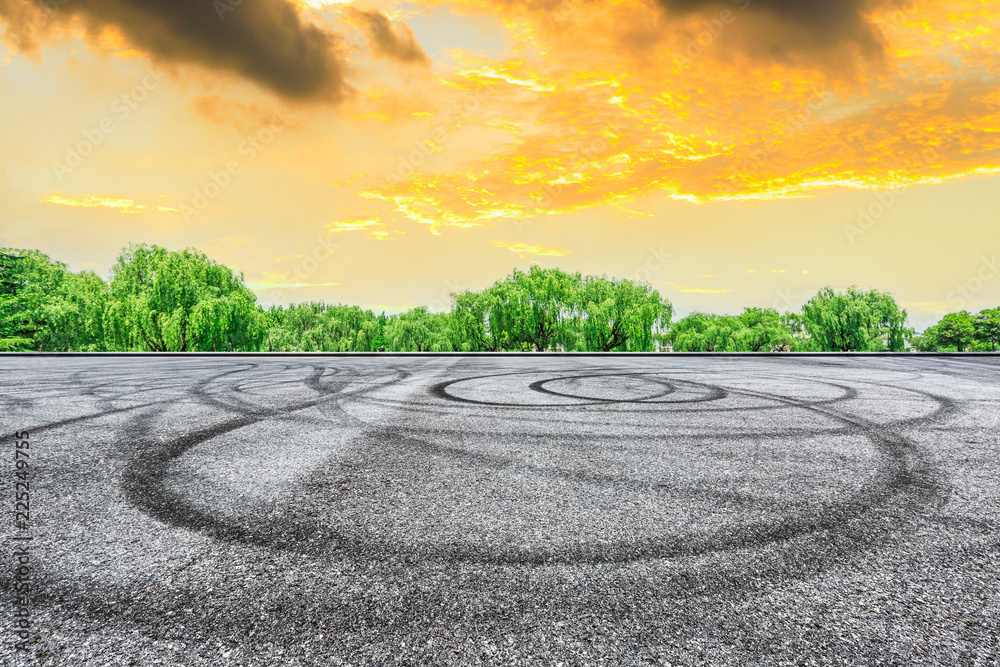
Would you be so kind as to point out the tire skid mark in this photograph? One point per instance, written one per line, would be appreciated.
(897, 476)
(898, 479)
(715, 393)
(798, 558)
(144, 479)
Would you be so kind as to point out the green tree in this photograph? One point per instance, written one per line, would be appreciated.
(702, 332)
(755, 330)
(472, 321)
(621, 315)
(987, 327)
(855, 321)
(956, 330)
(418, 330)
(542, 307)
(319, 327)
(795, 324)
(86, 297)
(272, 319)
(16, 330)
(926, 341)
(45, 307)
(180, 301)
(761, 330)
(379, 344)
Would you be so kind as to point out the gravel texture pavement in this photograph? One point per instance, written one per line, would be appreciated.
(532, 509)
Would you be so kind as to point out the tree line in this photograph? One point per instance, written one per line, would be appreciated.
(161, 300)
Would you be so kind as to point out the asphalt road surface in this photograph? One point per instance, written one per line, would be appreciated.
(505, 510)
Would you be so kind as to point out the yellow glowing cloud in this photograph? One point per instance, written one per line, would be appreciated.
(259, 285)
(523, 249)
(374, 228)
(691, 289)
(94, 201)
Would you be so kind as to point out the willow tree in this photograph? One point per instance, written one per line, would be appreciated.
(856, 321)
(418, 330)
(478, 323)
(46, 307)
(533, 310)
(17, 328)
(761, 330)
(179, 301)
(620, 315)
(349, 329)
(703, 332)
(527, 310)
(320, 327)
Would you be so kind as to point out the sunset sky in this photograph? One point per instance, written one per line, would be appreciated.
(387, 153)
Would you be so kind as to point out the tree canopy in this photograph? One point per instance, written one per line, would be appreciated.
(962, 332)
(755, 330)
(856, 321)
(545, 309)
(45, 307)
(162, 300)
(180, 301)
(321, 327)
(987, 327)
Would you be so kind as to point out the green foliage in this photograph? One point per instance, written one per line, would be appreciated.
(987, 327)
(547, 309)
(956, 330)
(539, 307)
(961, 332)
(755, 330)
(419, 331)
(795, 324)
(699, 332)
(179, 301)
(319, 327)
(159, 300)
(621, 315)
(855, 321)
(45, 307)
(761, 330)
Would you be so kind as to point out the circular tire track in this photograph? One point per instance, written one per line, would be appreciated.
(903, 472)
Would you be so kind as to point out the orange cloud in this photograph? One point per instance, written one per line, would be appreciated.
(585, 130)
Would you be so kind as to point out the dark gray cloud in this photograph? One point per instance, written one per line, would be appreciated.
(395, 43)
(266, 41)
(798, 24)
